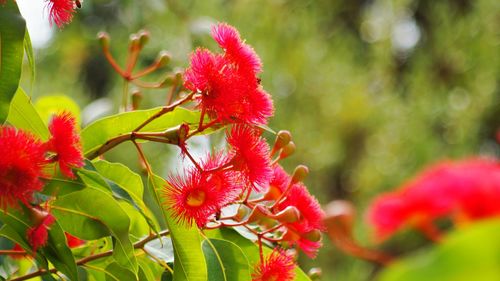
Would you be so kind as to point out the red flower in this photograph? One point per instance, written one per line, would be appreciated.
(198, 195)
(229, 89)
(21, 166)
(250, 156)
(311, 214)
(60, 11)
(38, 235)
(229, 39)
(468, 188)
(311, 218)
(277, 266)
(65, 142)
(73, 241)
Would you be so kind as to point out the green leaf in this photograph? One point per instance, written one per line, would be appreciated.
(58, 252)
(94, 205)
(148, 270)
(115, 272)
(50, 105)
(28, 50)
(123, 177)
(189, 261)
(15, 228)
(225, 261)
(122, 182)
(12, 32)
(61, 186)
(24, 116)
(468, 254)
(250, 249)
(102, 130)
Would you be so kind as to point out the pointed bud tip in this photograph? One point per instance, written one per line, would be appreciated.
(289, 215)
(300, 173)
(163, 58)
(143, 37)
(104, 39)
(315, 273)
(288, 150)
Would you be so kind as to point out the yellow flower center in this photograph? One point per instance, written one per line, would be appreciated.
(196, 198)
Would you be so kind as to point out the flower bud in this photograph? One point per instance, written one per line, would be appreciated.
(258, 213)
(282, 138)
(104, 39)
(300, 173)
(273, 193)
(163, 58)
(340, 215)
(136, 99)
(289, 215)
(241, 213)
(135, 42)
(143, 37)
(315, 273)
(314, 235)
(287, 150)
(38, 215)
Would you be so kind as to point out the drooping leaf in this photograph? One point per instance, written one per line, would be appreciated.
(28, 50)
(58, 252)
(102, 130)
(467, 254)
(95, 207)
(121, 182)
(225, 261)
(23, 115)
(16, 224)
(12, 32)
(116, 272)
(189, 261)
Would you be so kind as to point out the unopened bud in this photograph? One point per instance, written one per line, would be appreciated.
(136, 99)
(178, 76)
(282, 138)
(289, 215)
(183, 132)
(135, 42)
(104, 39)
(340, 215)
(143, 37)
(287, 150)
(300, 173)
(242, 213)
(258, 213)
(273, 193)
(315, 273)
(314, 235)
(38, 215)
(163, 58)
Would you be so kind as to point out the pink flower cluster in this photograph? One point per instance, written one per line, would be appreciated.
(277, 207)
(461, 190)
(24, 163)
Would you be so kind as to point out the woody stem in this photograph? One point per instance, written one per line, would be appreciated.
(138, 245)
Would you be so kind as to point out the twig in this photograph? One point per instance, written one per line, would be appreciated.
(83, 261)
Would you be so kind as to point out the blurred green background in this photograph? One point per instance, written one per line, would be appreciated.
(372, 91)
